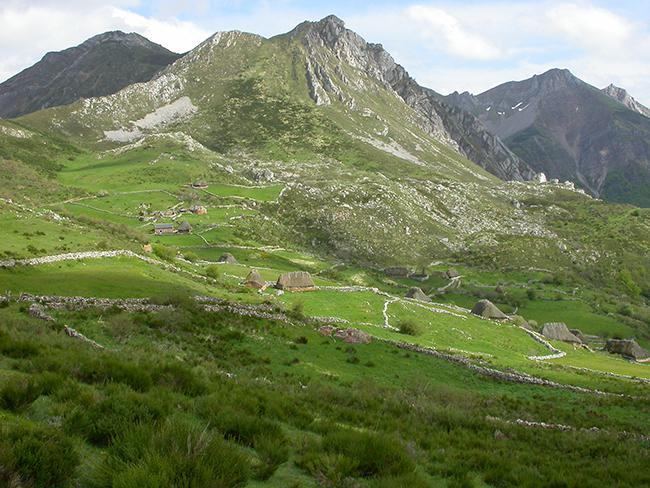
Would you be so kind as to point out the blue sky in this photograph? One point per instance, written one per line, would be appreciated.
(446, 45)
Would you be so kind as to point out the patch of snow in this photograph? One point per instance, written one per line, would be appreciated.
(524, 107)
(516, 106)
(489, 108)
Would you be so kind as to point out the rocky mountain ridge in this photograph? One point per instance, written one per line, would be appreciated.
(621, 95)
(454, 127)
(570, 130)
(102, 65)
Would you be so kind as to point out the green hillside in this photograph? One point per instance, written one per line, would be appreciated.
(149, 362)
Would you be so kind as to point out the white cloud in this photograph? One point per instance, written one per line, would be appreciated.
(176, 35)
(437, 24)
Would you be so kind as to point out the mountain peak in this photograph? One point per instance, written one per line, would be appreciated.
(621, 95)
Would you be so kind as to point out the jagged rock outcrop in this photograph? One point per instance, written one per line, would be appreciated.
(448, 124)
(628, 348)
(559, 331)
(621, 95)
(102, 65)
(488, 310)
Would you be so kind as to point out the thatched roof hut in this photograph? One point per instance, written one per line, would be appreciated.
(628, 348)
(185, 227)
(295, 281)
(227, 258)
(416, 293)
(558, 331)
(488, 310)
(255, 280)
(452, 273)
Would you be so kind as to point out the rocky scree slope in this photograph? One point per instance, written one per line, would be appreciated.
(102, 65)
(569, 130)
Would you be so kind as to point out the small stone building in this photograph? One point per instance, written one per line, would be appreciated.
(488, 310)
(627, 348)
(184, 228)
(227, 258)
(295, 281)
(416, 293)
(160, 229)
(199, 210)
(255, 280)
(558, 331)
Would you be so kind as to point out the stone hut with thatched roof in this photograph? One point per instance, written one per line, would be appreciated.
(558, 331)
(295, 281)
(416, 293)
(628, 348)
(227, 258)
(488, 310)
(255, 280)
(184, 228)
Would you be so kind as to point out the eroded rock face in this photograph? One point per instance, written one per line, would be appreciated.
(488, 310)
(448, 124)
(628, 348)
(559, 331)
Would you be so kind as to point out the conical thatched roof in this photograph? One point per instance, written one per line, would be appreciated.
(255, 280)
(417, 294)
(558, 331)
(295, 281)
(488, 310)
(628, 348)
(452, 273)
(227, 258)
(185, 227)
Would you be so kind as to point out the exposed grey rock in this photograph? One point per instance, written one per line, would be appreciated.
(488, 310)
(36, 310)
(621, 95)
(353, 336)
(448, 124)
(560, 332)
(417, 294)
(628, 348)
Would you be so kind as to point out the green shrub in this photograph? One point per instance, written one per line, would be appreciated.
(164, 252)
(408, 327)
(345, 453)
(213, 271)
(118, 412)
(180, 378)
(19, 392)
(190, 256)
(175, 453)
(16, 348)
(36, 457)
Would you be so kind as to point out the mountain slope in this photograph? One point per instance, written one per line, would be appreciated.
(621, 95)
(457, 128)
(100, 66)
(569, 130)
